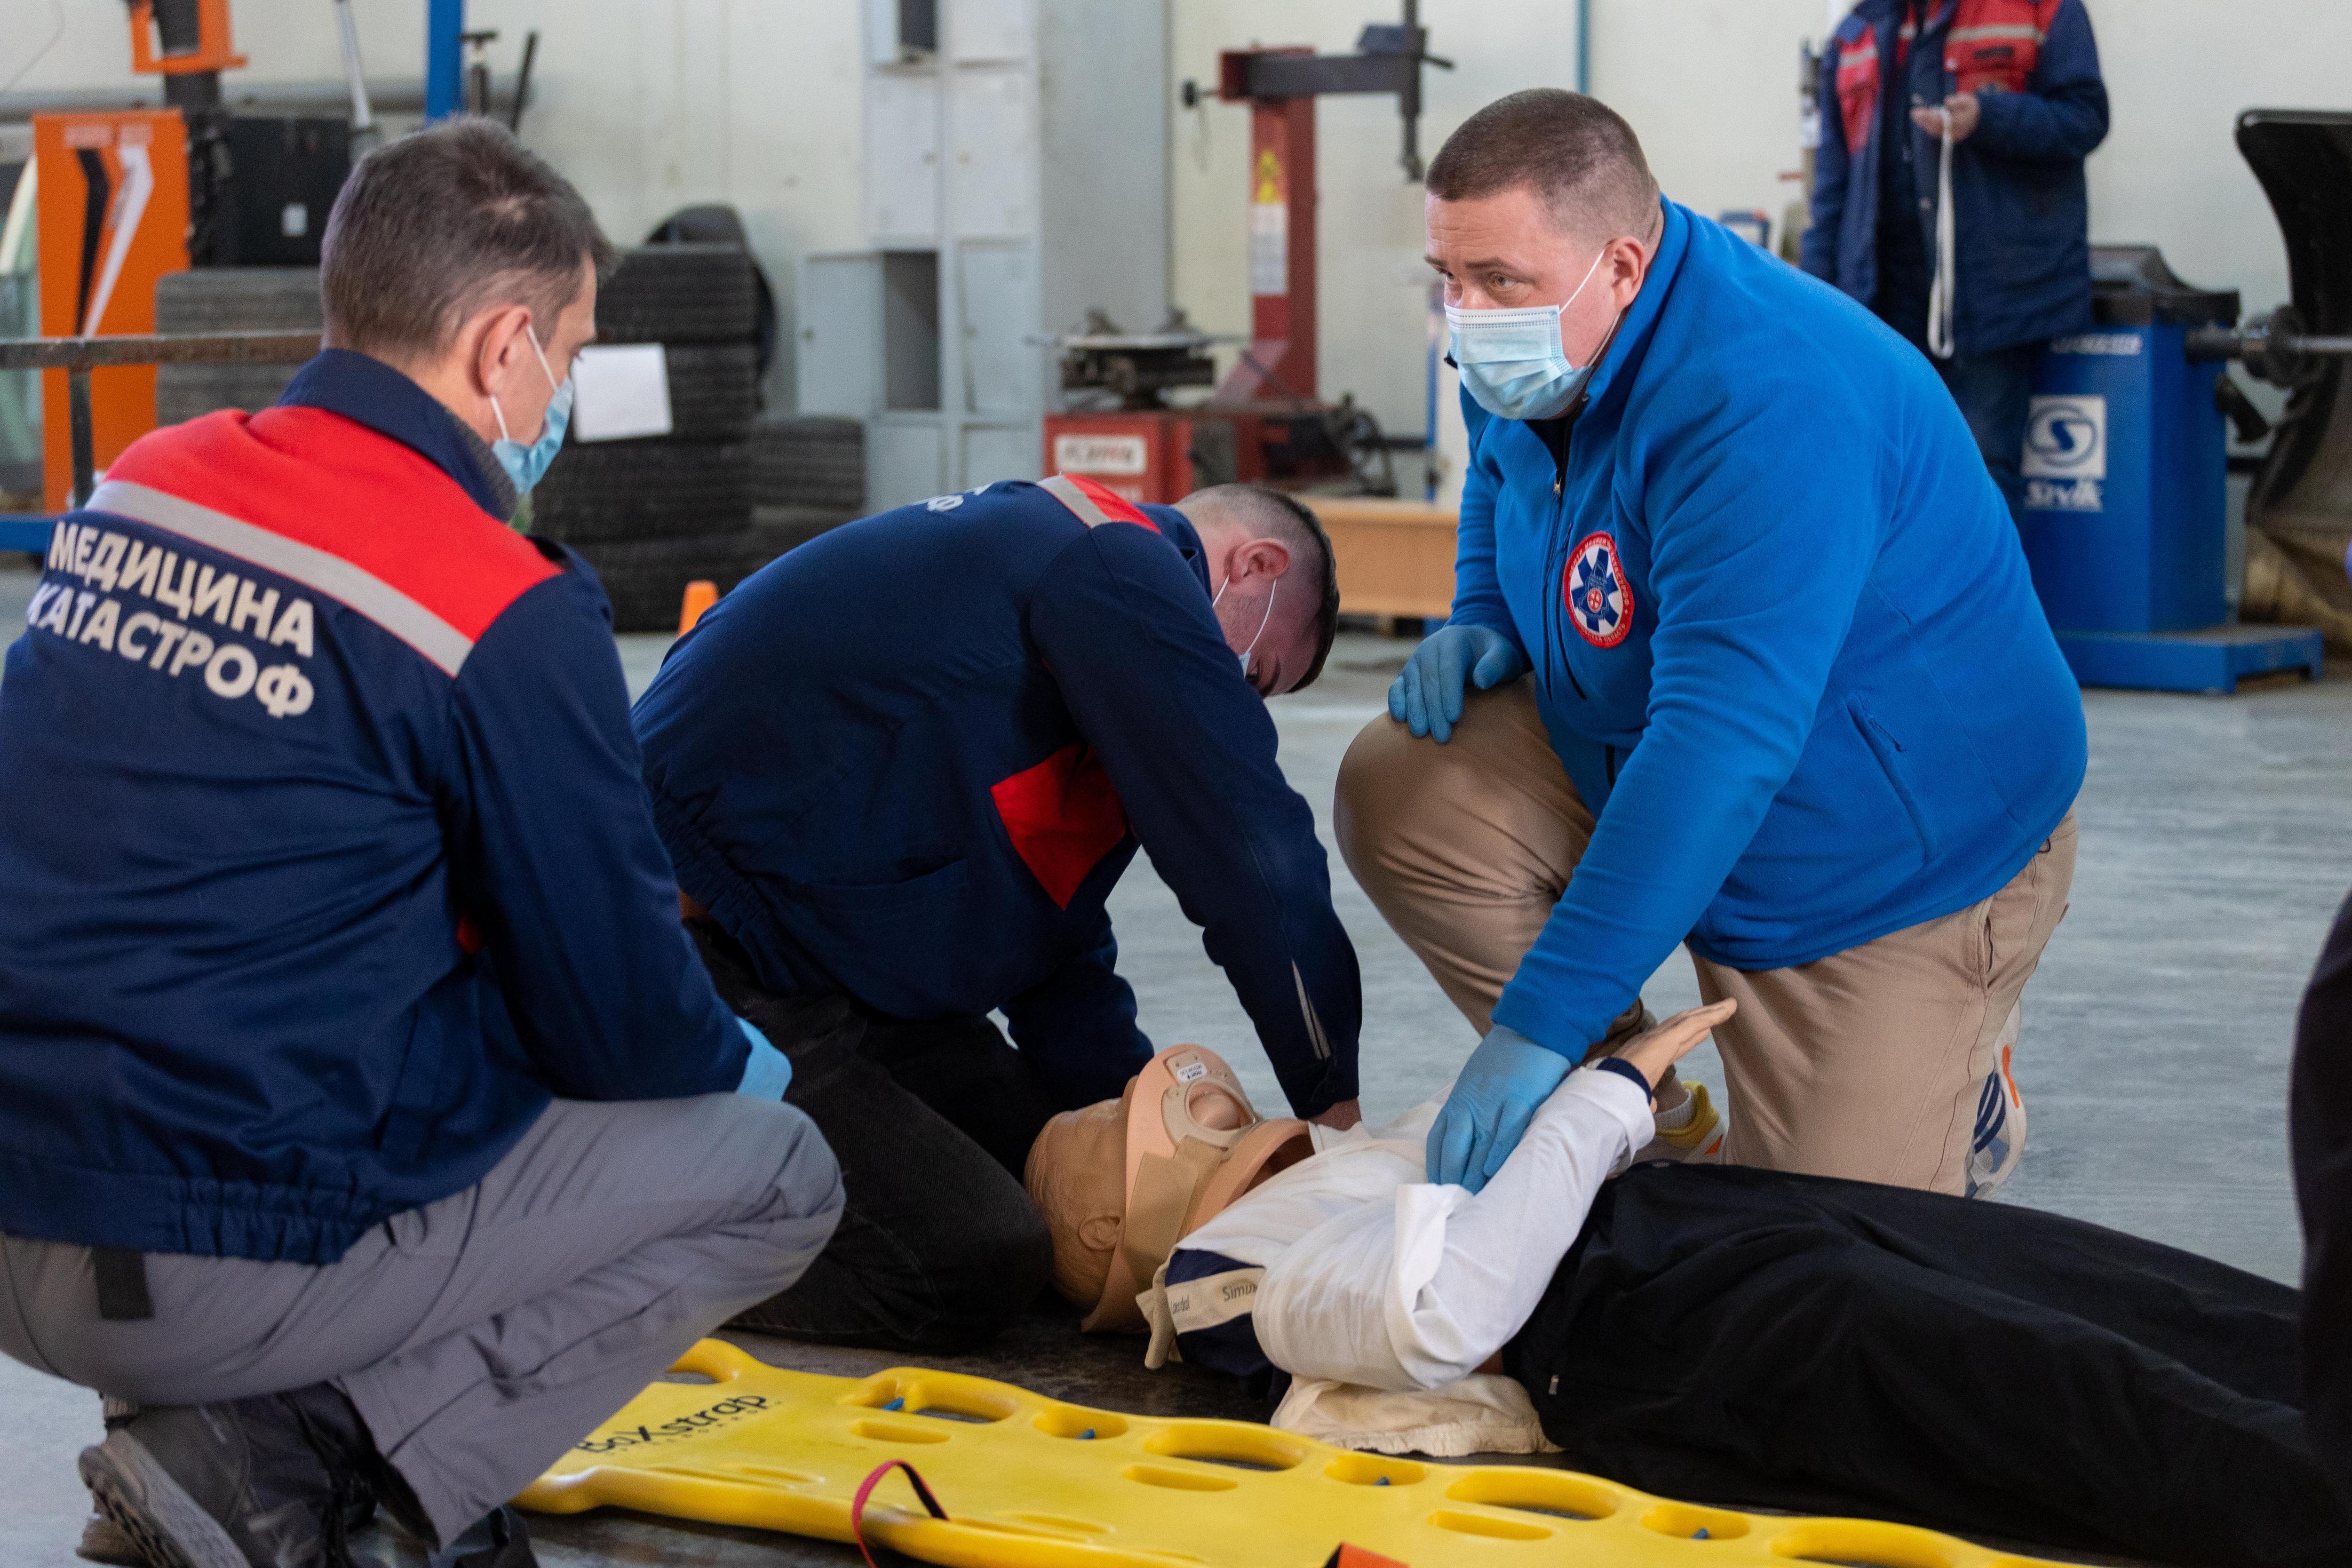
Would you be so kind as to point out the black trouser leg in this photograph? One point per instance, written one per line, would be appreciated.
(1995, 390)
(1833, 1346)
(938, 1247)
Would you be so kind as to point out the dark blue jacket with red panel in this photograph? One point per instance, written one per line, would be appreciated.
(325, 859)
(909, 760)
(2022, 236)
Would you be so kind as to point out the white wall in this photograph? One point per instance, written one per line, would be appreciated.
(651, 104)
(647, 105)
(1710, 85)
(1373, 285)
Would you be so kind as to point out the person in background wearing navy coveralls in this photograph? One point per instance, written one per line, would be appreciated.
(2019, 83)
(900, 769)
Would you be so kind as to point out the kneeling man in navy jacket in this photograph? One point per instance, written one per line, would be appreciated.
(367, 1131)
(900, 770)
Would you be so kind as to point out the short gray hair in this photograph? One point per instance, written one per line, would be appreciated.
(434, 226)
(1574, 152)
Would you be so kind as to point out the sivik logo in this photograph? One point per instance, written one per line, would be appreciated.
(2066, 439)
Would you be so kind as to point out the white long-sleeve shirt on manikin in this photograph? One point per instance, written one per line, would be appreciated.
(1355, 1269)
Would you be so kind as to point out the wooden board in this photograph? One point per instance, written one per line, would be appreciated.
(1395, 557)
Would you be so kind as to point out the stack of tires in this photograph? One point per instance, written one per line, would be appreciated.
(808, 475)
(653, 515)
(230, 299)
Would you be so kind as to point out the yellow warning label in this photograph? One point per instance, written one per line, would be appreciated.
(1269, 177)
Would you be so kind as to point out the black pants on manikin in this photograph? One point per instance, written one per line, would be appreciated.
(938, 1247)
(1746, 1336)
(2321, 1121)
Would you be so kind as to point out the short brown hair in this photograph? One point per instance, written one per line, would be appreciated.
(1574, 152)
(434, 226)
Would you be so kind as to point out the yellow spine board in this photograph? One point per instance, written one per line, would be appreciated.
(1025, 1486)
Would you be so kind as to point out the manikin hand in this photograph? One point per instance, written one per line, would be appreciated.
(1427, 697)
(1965, 112)
(1653, 1051)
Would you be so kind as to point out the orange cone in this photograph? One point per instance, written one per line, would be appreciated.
(700, 594)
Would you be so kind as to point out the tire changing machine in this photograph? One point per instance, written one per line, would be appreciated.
(2125, 480)
(2124, 460)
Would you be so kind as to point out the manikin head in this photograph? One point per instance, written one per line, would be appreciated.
(1121, 1182)
(463, 261)
(1544, 198)
(1271, 575)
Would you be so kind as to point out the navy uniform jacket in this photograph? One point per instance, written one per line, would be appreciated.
(2022, 211)
(909, 759)
(325, 859)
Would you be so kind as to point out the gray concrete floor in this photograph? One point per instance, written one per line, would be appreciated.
(2217, 841)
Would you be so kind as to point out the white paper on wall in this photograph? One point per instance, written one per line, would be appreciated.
(619, 391)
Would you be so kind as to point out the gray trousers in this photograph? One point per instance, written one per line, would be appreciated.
(479, 1336)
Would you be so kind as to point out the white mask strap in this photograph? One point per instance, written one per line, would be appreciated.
(1587, 277)
(1262, 621)
(544, 369)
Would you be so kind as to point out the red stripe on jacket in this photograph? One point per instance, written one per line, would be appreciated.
(335, 485)
(1115, 506)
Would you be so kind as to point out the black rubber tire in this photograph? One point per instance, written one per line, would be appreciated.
(238, 300)
(679, 294)
(645, 579)
(184, 392)
(809, 460)
(714, 390)
(714, 393)
(644, 490)
(230, 299)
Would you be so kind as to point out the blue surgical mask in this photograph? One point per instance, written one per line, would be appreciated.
(526, 465)
(1512, 361)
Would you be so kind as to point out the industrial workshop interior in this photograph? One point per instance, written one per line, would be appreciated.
(1118, 784)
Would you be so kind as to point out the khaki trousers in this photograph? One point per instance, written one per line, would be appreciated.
(1868, 1064)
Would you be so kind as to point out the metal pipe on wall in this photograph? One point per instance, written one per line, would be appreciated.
(1584, 46)
(444, 75)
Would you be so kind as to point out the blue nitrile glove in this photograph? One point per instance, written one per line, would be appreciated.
(1487, 1115)
(1427, 697)
(768, 1072)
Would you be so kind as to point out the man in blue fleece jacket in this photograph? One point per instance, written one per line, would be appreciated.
(1743, 655)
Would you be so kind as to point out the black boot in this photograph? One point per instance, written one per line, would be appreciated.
(102, 1540)
(267, 1482)
(497, 1540)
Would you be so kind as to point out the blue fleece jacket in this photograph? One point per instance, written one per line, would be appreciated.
(909, 759)
(1782, 636)
(326, 861)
